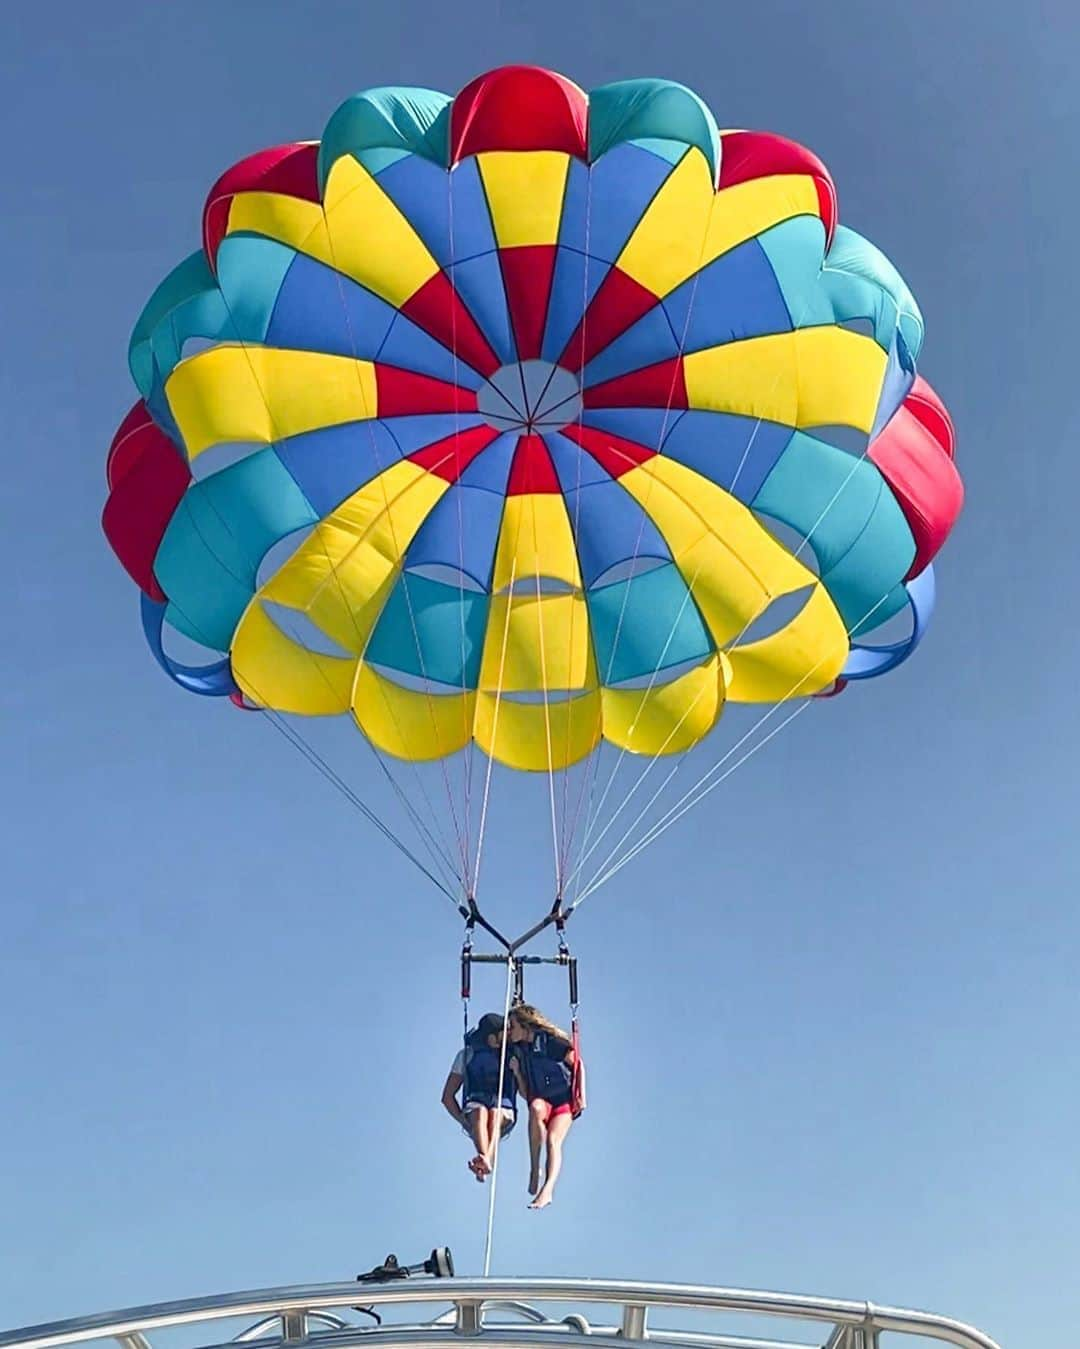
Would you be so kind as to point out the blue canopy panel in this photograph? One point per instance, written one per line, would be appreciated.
(410, 348)
(332, 462)
(857, 531)
(460, 533)
(430, 198)
(646, 624)
(606, 200)
(575, 281)
(647, 342)
(574, 466)
(209, 555)
(491, 468)
(735, 452)
(213, 681)
(609, 526)
(651, 427)
(429, 630)
(479, 282)
(736, 296)
(318, 309)
(867, 661)
(416, 430)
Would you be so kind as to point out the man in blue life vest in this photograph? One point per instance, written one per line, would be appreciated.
(476, 1072)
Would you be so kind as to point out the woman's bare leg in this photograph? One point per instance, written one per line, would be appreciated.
(557, 1130)
(538, 1113)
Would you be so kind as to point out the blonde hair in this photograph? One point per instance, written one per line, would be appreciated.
(533, 1019)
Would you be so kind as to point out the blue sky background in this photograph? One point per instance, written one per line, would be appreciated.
(831, 1019)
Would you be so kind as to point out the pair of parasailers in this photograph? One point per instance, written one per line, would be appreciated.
(530, 1055)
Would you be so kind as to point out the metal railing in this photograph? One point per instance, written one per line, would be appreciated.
(478, 1308)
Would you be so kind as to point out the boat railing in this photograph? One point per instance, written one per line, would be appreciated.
(503, 1314)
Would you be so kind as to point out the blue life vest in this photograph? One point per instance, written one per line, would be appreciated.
(544, 1065)
(482, 1076)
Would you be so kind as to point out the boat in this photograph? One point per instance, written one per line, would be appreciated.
(392, 1308)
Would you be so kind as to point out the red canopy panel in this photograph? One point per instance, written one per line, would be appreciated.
(288, 169)
(519, 108)
(924, 403)
(914, 455)
(759, 154)
(147, 477)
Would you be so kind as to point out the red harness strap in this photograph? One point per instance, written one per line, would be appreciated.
(576, 1104)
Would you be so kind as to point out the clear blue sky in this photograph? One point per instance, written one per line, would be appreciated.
(832, 1020)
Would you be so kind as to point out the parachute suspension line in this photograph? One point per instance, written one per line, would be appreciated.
(427, 835)
(699, 790)
(579, 895)
(400, 553)
(856, 461)
(411, 810)
(587, 852)
(438, 854)
(474, 881)
(588, 774)
(590, 771)
(592, 819)
(318, 762)
(679, 809)
(654, 832)
(467, 756)
(656, 756)
(489, 1239)
(547, 716)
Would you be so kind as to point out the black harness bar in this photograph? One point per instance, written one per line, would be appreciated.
(556, 916)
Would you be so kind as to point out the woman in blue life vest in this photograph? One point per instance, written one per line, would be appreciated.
(551, 1076)
(475, 1073)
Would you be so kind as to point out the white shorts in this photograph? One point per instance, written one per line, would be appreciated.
(470, 1106)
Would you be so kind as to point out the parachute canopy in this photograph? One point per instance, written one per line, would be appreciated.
(530, 418)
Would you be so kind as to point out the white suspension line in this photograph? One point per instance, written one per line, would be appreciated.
(494, 734)
(489, 1239)
(659, 827)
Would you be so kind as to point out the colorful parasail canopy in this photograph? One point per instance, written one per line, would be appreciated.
(530, 418)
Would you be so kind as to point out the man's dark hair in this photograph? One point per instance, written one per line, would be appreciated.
(491, 1023)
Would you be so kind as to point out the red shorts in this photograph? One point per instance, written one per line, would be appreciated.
(547, 1112)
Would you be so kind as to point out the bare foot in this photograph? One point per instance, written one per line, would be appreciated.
(479, 1167)
(543, 1199)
